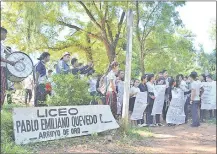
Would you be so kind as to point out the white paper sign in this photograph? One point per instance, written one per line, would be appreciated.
(208, 98)
(175, 113)
(159, 99)
(139, 106)
(35, 124)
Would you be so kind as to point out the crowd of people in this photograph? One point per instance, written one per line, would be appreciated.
(110, 87)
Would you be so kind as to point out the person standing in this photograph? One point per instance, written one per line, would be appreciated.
(151, 98)
(4, 61)
(28, 86)
(143, 88)
(120, 92)
(111, 94)
(166, 99)
(92, 89)
(62, 65)
(41, 79)
(195, 99)
(202, 78)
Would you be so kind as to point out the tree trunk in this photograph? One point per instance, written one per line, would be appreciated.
(110, 51)
(89, 55)
(142, 67)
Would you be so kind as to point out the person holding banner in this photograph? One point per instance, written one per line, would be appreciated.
(209, 79)
(202, 78)
(143, 88)
(133, 92)
(151, 97)
(196, 87)
(120, 90)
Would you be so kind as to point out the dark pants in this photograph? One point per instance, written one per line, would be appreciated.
(157, 116)
(28, 94)
(149, 116)
(194, 113)
(40, 95)
(93, 101)
(165, 108)
(186, 109)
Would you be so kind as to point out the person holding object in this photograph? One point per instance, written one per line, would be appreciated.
(111, 92)
(4, 61)
(151, 97)
(41, 79)
(196, 87)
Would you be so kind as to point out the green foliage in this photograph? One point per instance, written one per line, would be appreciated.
(69, 90)
(7, 135)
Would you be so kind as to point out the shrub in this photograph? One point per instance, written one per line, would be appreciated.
(69, 90)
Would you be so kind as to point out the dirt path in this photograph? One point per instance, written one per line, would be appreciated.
(178, 139)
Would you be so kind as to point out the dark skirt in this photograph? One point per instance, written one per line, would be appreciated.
(111, 100)
(150, 100)
(40, 95)
(131, 104)
(3, 85)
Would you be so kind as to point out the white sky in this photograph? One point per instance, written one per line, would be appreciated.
(197, 17)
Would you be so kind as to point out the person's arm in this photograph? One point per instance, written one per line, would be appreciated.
(113, 86)
(7, 61)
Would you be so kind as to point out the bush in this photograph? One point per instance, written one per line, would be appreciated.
(7, 135)
(69, 90)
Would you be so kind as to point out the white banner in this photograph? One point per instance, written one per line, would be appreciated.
(175, 113)
(159, 99)
(35, 124)
(208, 98)
(139, 106)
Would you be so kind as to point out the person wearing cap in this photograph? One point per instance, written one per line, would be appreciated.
(40, 78)
(62, 65)
(196, 88)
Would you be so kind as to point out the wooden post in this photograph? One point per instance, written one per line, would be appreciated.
(127, 69)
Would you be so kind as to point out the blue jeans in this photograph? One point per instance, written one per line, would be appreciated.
(194, 113)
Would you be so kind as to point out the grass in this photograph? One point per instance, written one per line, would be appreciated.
(211, 121)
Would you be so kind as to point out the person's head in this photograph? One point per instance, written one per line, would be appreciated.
(150, 78)
(74, 62)
(172, 82)
(165, 73)
(114, 66)
(202, 78)
(3, 33)
(144, 79)
(45, 56)
(136, 83)
(66, 57)
(160, 74)
(131, 82)
(209, 78)
(185, 78)
(193, 76)
(50, 72)
(180, 77)
(121, 74)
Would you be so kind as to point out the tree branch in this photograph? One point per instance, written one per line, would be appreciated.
(109, 31)
(119, 28)
(90, 14)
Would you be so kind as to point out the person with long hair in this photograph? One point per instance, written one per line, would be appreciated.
(196, 88)
(120, 90)
(151, 98)
(111, 92)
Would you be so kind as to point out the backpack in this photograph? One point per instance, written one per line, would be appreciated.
(103, 85)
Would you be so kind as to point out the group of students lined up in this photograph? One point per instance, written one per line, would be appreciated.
(191, 85)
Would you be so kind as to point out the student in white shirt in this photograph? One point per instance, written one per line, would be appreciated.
(28, 86)
(195, 99)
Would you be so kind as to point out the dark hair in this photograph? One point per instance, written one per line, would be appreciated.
(114, 64)
(119, 72)
(3, 29)
(150, 76)
(178, 76)
(193, 75)
(209, 76)
(44, 55)
(50, 71)
(80, 64)
(160, 73)
(74, 60)
(135, 81)
(144, 77)
(171, 82)
(164, 71)
(204, 77)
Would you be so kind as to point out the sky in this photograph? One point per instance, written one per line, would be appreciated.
(197, 17)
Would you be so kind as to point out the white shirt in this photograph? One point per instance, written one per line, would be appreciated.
(184, 86)
(150, 87)
(111, 76)
(196, 85)
(134, 90)
(3, 55)
(92, 83)
(28, 83)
